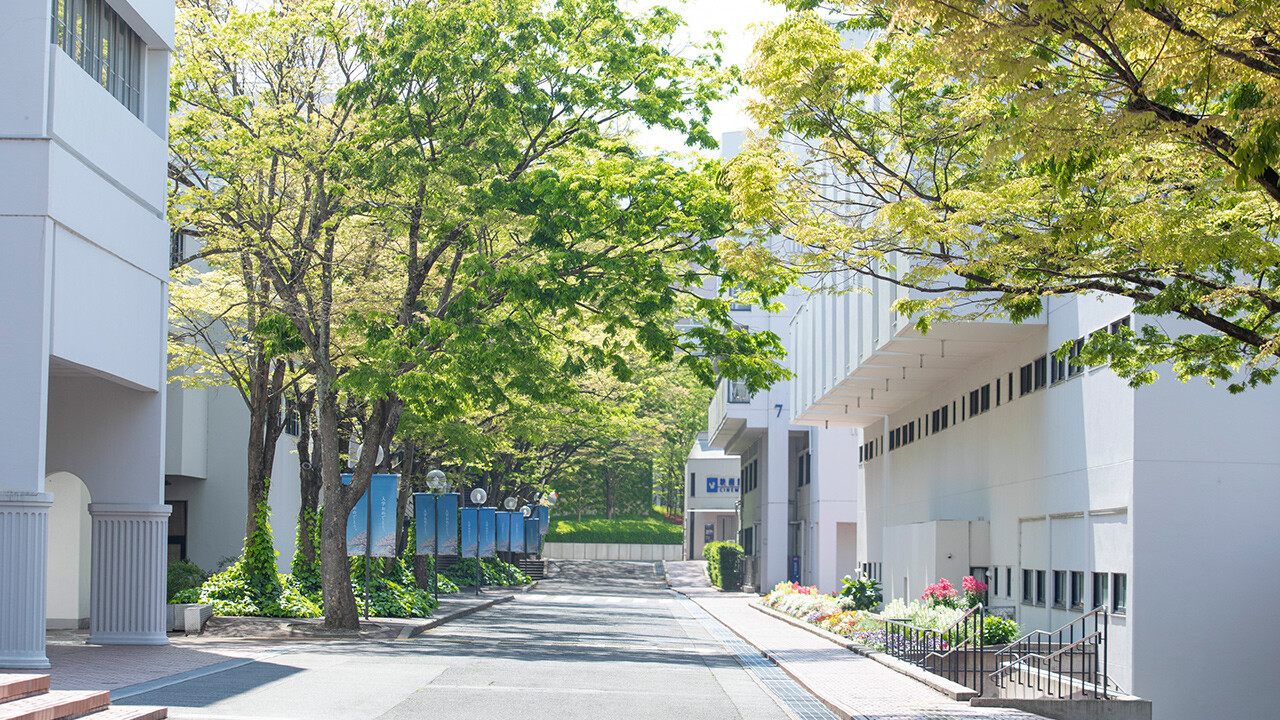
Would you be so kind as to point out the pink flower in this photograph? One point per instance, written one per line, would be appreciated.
(972, 585)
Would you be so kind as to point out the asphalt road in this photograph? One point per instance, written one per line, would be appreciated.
(596, 640)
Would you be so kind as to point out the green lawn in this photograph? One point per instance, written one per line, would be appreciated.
(630, 529)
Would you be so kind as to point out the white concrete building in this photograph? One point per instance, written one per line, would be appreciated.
(982, 453)
(82, 339)
(710, 497)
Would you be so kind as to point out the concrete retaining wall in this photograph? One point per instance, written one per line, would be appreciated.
(611, 551)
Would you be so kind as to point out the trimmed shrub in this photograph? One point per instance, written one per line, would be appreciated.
(182, 577)
(627, 530)
(493, 572)
(723, 564)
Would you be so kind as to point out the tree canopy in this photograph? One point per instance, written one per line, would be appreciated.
(991, 154)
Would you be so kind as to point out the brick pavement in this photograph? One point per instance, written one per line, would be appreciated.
(856, 686)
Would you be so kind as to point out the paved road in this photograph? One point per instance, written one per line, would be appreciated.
(596, 640)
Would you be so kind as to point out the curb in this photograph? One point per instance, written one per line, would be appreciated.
(414, 631)
(953, 690)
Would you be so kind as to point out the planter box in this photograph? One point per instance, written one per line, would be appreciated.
(187, 617)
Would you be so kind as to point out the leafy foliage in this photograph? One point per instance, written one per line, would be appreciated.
(182, 577)
(724, 564)
(862, 592)
(493, 571)
(236, 591)
(393, 592)
(637, 530)
(989, 155)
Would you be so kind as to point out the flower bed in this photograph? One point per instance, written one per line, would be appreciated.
(939, 609)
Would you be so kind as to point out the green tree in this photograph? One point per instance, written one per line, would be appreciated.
(990, 154)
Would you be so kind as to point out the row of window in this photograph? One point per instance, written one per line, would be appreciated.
(1068, 589)
(750, 476)
(1031, 377)
(870, 449)
(804, 469)
(102, 43)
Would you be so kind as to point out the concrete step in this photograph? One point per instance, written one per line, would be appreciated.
(130, 712)
(15, 685)
(55, 705)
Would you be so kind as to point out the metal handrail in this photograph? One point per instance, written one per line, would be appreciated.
(1035, 663)
(962, 660)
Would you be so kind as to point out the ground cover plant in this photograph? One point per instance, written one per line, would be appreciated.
(632, 529)
(494, 571)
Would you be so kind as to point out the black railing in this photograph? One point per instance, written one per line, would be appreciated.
(1068, 663)
(954, 653)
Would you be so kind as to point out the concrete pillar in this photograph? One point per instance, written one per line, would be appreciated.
(775, 508)
(127, 595)
(24, 540)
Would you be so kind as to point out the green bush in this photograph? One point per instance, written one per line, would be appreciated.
(493, 572)
(999, 631)
(862, 593)
(235, 591)
(631, 530)
(182, 577)
(724, 564)
(393, 592)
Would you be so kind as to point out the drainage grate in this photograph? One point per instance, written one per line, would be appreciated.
(799, 701)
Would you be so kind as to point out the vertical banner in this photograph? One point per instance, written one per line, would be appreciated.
(517, 532)
(424, 523)
(488, 529)
(502, 531)
(544, 519)
(532, 537)
(447, 524)
(469, 534)
(382, 489)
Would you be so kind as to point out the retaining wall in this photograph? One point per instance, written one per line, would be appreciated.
(611, 551)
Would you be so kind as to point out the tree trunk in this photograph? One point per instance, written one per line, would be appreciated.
(340, 610)
(265, 426)
(404, 491)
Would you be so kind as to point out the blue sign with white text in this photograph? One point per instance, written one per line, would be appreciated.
(517, 532)
(722, 484)
(532, 537)
(424, 523)
(502, 531)
(488, 529)
(544, 519)
(382, 488)
(447, 524)
(470, 533)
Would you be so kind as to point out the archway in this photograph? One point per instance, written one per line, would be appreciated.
(70, 539)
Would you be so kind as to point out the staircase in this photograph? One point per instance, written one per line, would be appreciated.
(28, 697)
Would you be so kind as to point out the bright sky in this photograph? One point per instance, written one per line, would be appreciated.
(735, 18)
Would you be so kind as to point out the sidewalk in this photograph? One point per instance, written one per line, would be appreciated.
(227, 643)
(849, 684)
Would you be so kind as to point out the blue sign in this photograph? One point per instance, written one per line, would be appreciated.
(470, 533)
(488, 531)
(532, 537)
(544, 519)
(447, 524)
(502, 531)
(722, 484)
(795, 569)
(382, 488)
(517, 532)
(424, 523)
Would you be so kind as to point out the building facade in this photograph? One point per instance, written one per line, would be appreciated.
(710, 497)
(980, 452)
(84, 284)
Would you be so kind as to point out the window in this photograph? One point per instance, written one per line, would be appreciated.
(1119, 592)
(1099, 589)
(693, 484)
(1059, 370)
(1042, 371)
(1008, 582)
(738, 392)
(104, 45)
(733, 300)
(1121, 323)
(1040, 587)
(944, 417)
(178, 530)
(997, 392)
(995, 583)
(1074, 366)
(1026, 376)
(984, 400)
(177, 249)
(1010, 386)
(1077, 590)
(748, 535)
(1028, 586)
(292, 419)
(1060, 588)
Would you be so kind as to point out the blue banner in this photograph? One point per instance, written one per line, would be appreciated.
(544, 519)
(447, 524)
(517, 532)
(488, 529)
(424, 523)
(383, 490)
(532, 538)
(470, 533)
(502, 531)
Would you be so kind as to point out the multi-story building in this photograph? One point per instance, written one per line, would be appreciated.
(83, 285)
(982, 453)
(710, 497)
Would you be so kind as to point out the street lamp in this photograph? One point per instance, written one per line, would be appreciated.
(510, 503)
(436, 481)
(478, 496)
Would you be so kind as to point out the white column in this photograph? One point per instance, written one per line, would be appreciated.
(127, 595)
(24, 546)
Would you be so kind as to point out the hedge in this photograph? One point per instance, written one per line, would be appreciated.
(724, 562)
(630, 530)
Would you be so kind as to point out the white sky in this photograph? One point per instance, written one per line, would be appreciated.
(735, 18)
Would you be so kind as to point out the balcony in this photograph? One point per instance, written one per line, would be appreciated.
(858, 360)
(734, 416)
